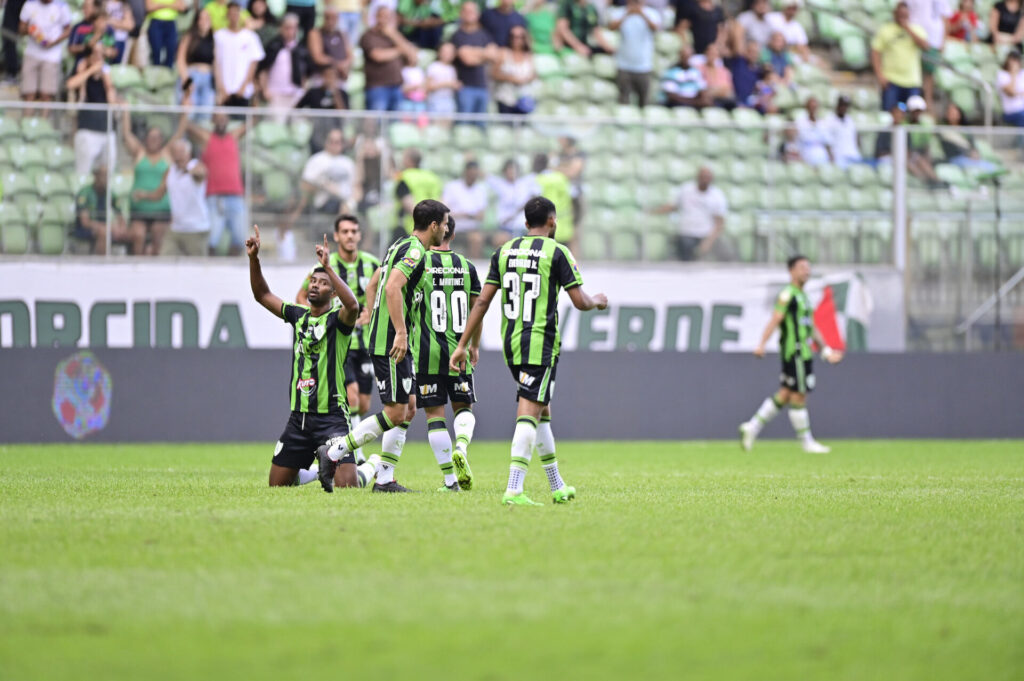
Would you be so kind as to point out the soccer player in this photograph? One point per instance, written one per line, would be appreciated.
(319, 415)
(530, 271)
(389, 347)
(356, 268)
(794, 318)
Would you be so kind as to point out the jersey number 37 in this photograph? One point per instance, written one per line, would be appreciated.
(522, 291)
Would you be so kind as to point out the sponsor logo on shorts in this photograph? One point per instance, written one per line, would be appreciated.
(428, 389)
(306, 385)
(462, 387)
(382, 385)
(526, 380)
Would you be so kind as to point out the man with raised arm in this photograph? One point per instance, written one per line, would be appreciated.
(530, 271)
(319, 408)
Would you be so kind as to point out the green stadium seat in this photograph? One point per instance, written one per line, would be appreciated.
(36, 129)
(125, 77)
(121, 185)
(594, 245)
(404, 135)
(686, 116)
(668, 43)
(277, 186)
(740, 197)
(438, 136)
(159, 78)
(16, 184)
(740, 228)
(301, 130)
(954, 175)
(575, 65)
(855, 52)
(599, 91)
(271, 134)
(625, 246)
(659, 224)
(800, 173)
(426, 58)
(468, 137)
(10, 129)
(356, 84)
(51, 237)
(548, 66)
(680, 170)
(52, 186)
(27, 158)
(830, 174)
(604, 66)
(626, 114)
(656, 246)
(14, 238)
(60, 157)
(801, 198)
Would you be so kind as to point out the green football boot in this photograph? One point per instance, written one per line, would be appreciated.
(454, 487)
(562, 496)
(520, 499)
(462, 470)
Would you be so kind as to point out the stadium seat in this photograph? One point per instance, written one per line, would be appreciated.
(37, 128)
(468, 137)
(548, 66)
(10, 129)
(604, 66)
(625, 245)
(60, 158)
(51, 186)
(594, 245)
(854, 50)
(740, 228)
(277, 186)
(14, 238)
(28, 159)
(426, 58)
(51, 237)
(301, 131)
(159, 78)
(16, 184)
(575, 65)
(356, 83)
(599, 91)
(126, 77)
(656, 246)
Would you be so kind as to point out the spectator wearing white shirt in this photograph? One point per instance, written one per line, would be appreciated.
(812, 137)
(635, 56)
(184, 184)
(753, 25)
(931, 15)
(511, 193)
(47, 23)
(237, 51)
(329, 183)
(841, 132)
(1010, 81)
(442, 83)
(467, 198)
(785, 22)
(701, 208)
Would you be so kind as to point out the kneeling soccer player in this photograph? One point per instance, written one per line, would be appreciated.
(794, 318)
(319, 415)
(531, 271)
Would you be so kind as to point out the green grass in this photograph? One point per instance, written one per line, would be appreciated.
(883, 560)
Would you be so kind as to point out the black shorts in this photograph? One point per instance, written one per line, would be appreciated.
(304, 433)
(437, 391)
(359, 369)
(395, 382)
(536, 383)
(797, 375)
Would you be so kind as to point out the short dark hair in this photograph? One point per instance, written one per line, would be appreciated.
(318, 268)
(451, 228)
(540, 162)
(234, 4)
(345, 217)
(471, 164)
(793, 260)
(538, 210)
(426, 212)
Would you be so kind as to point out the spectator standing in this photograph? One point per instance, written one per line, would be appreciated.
(218, 11)
(329, 184)
(283, 70)
(442, 82)
(467, 198)
(572, 162)
(421, 23)
(499, 22)
(812, 136)
(414, 185)
(511, 193)
(754, 25)
(93, 138)
(163, 30)
(931, 15)
(514, 75)
(328, 96)
(91, 218)
(47, 23)
(1006, 23)
(1010, 81)
(384, 50)
(705, 20)
(92, 30)
(261, 21)
(635, 57)
(556, 187)
(785, 22)
(328, 46)
(349, 18)
(225, 203)
(683, 84)
(702, 208)
(184, 185)
(195, 64)
(151, 158)
(776, 57)
(718, 79)
(963, 25)
(841, 132)
(578, 28)
(305, 11)
(237, 53)
(122, 21)
(474, 48)
(896, 57)
(541, 24)
(11, 22)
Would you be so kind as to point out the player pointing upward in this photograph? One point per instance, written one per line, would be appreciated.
(793, 317)
(530, 271)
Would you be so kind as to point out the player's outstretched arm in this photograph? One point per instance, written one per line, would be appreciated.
(773, 324)
(396, 312)
(260, 290)
(473, 326)
(341, 289)
(582, 301)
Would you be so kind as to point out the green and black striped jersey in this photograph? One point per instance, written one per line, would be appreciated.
(441, 305)
(796, 330)
(318, 360)
(357, 275)
(531, 271)
(407, 256)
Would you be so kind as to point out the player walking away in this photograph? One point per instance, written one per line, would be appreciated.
(531, 271)
(794, 318)
(356, 268)
(390, 322)
(319, 415)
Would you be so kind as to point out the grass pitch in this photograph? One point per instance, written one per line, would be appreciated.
(882, 560)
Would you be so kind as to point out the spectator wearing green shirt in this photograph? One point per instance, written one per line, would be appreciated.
(421, 23)
(91, 222)
(896, 57)
(218, 11)
(577, 28)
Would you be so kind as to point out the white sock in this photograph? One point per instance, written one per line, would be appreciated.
(765, 413)
(523, 440)
(545, 448)
(365, 472)
(464, 424)
(353, 420)
(801, 421)
(391, 446)
(308, 476)
(366, 431)
(441, 443)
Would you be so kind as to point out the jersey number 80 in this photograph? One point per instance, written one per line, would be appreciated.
(439, 308)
